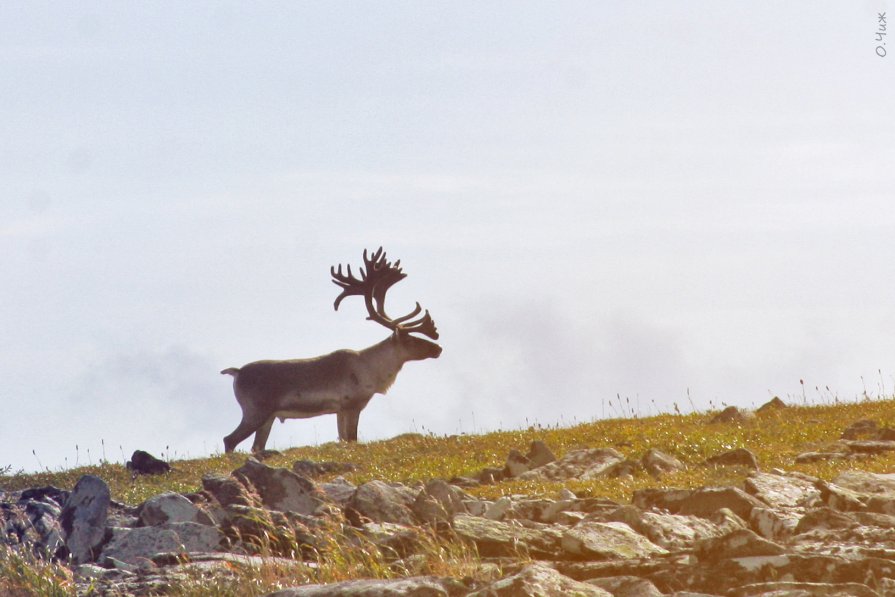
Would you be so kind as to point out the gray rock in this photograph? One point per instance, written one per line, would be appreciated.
(229, 491)
(840, 498)
(868, 447)
(658, 463)
(281, 489)
(309, 468)
(538, 580)
(439, 501)
(516, 464)
(808, 457)
(83, 518)
(670, 531)
(863, 427)
(498, 508)
(577, 464)
(495, 538)
(775, 524)
(539, 454)
(742, 543)
(138, 545)
(394, 538)
(771, 405)
(700, 502)
(420, 586)
(380, 502)
(739, 456)
(732, 414)
(824, 519)
(865, 482)
(781, 491)
(170, 507)
(607, 540)
(338, 491)
(626, 586)
(803, 589)
(144, 463)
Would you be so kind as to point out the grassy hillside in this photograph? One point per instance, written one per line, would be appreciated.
(775, 437)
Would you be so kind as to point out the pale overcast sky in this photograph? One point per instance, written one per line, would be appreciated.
(592, 199)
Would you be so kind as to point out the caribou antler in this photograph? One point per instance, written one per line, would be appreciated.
(376, 277)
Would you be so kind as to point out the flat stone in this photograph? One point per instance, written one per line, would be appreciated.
(403, 587)
(740, 456)
(577, 464)
(781, 491)
(803, 589)
(538, 580)
(496, 538)
(607, 540)
(626, 586)
(865, 482)
(840, 498)
(138, 545)
(700, 502)
(669, 531)
(868, 446)
(737, 544)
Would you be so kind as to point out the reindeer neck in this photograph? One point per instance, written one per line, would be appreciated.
(385, 360)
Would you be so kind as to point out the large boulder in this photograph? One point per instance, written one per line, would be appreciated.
(378, 501)
(281, 489)
(83, 518)
(496, 538)
(607, 540)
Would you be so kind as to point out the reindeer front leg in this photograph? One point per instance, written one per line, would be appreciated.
(347, 421)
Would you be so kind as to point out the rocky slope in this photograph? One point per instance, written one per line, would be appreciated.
(780, 533)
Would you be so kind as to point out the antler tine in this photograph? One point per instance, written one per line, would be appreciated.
(425, 325)
(349, 284)
(416, 311)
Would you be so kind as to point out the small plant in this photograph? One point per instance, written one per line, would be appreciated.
(23, 574)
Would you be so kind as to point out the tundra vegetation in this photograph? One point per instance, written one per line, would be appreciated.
(775, 437)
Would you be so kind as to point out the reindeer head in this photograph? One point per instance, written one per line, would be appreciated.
(376, 277)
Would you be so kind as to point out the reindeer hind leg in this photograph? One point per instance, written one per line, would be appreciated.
(248, 425)
(262, 434)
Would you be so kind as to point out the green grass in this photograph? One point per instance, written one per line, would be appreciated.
(775, 437)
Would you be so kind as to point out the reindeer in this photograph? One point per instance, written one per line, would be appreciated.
(342, 382)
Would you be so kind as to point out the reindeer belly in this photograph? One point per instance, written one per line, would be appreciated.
(310, 404)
